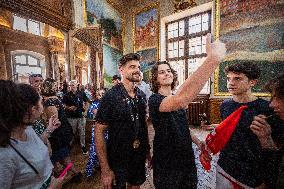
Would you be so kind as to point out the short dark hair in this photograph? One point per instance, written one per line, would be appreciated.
(276, 86)
(115, 77)
(154, 74)
(250, 69)
(128, 57)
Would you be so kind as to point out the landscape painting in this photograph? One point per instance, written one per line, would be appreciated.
(253, 31)
(111, 57)
(112, 23)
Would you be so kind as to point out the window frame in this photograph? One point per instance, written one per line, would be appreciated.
(28, 30)
(186, 38)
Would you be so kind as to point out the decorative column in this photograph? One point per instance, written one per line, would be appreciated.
(3, 69)
(93, 67)
(101, 65)
(56, 47)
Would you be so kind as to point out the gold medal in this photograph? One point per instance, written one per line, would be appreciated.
(136, 144)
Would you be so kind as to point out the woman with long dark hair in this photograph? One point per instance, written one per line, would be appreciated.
(24, 159)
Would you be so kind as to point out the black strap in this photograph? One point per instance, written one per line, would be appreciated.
(33, 168)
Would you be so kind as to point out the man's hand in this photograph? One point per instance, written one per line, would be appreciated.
(216, 50)
(260, 127)
(53, 123)
(72, 108)
(108, 178)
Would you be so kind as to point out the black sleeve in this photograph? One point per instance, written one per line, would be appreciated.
(65, 99)
(277, 131)
(85, 98)
(154, 103)
(104, 113)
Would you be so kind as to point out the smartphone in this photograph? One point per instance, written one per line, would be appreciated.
(65, 170)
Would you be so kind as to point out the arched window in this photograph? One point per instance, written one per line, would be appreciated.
(25, 63)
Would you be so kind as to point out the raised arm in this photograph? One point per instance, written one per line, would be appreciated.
(192, 85)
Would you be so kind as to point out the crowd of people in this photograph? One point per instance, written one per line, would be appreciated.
(39, 123)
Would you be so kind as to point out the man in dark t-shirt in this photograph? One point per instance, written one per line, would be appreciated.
(75, 102)
(122, 112)
(242, 161)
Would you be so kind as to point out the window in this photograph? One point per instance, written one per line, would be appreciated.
(186, 44)
(25, 65)
(26, 25)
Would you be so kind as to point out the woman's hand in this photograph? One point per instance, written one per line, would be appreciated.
(56, 183)
(53, 123)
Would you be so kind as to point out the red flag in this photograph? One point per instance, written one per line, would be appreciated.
(217, 139)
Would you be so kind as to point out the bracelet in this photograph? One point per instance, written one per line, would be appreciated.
(48, 131)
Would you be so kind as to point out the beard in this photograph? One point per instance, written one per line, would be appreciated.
(134, 77)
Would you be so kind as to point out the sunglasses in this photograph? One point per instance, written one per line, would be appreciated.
(35, 75)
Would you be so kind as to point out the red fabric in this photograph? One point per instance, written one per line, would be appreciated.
(217, 139)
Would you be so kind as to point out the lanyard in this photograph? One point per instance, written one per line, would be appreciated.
(132, 105)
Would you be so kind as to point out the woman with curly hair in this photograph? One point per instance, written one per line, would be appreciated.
(24, 159)
(173, 157)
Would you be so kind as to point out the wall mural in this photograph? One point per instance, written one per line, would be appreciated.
(112, 22)
(253, 31)
(146, 36)
(111, 57)
(147, 58)
(146, 27)
(102, 12)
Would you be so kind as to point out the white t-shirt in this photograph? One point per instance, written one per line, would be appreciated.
(15, 172)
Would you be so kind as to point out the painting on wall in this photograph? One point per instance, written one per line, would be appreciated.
(111, 57)
(253, 31)
(148, 56)
(146, 27)
(112, 22)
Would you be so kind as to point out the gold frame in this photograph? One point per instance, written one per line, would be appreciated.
(114, 6)
(217, 21)
(144, 9)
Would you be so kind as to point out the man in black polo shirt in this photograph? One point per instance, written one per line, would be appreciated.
(74, 102)
(123, 112)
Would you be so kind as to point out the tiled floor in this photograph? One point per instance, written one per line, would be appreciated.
(206, 180)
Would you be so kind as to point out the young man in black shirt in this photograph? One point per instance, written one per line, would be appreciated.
(241, 162)
(75, 102)
(122, 112)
